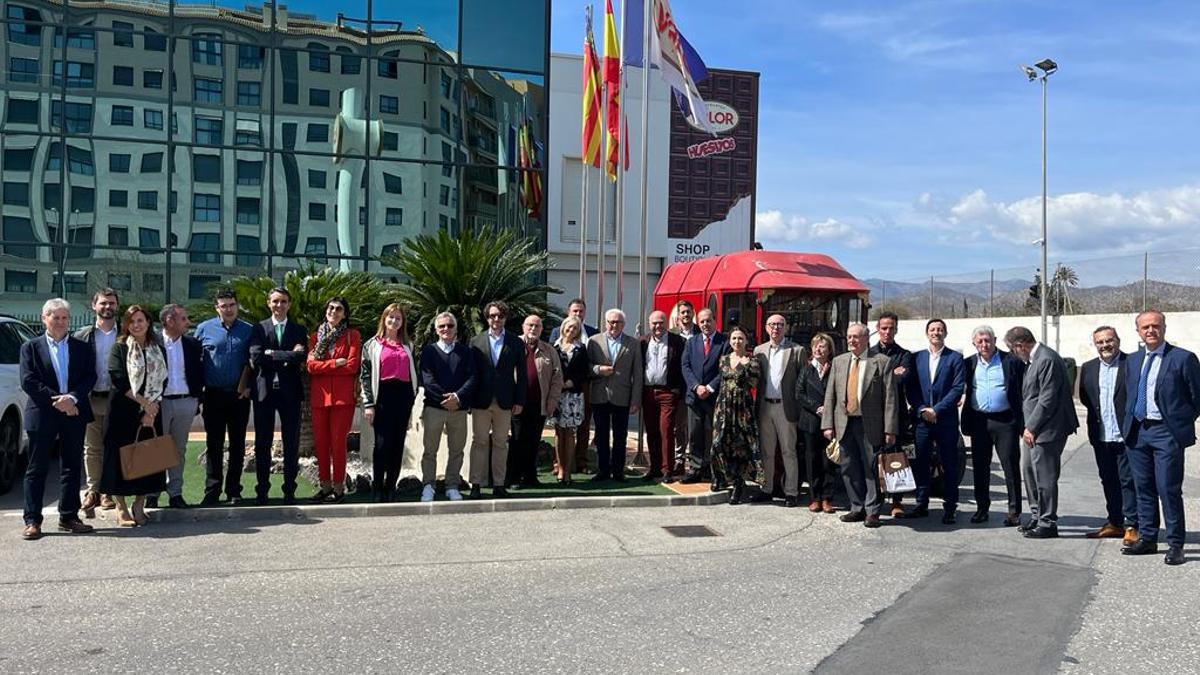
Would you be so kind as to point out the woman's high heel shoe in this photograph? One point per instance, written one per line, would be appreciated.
(123, 517)
(737, 496)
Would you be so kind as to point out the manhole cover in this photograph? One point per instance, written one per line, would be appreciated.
(691, 531)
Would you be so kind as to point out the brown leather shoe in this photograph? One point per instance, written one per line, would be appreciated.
(827, 506)
(31, 532)
(1109, 531)
(90, 501)
(75, 526)
(897, 510)
(107, 503)
(815, 506)
(1131, 536)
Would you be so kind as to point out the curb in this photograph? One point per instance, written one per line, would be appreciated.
(320, 511)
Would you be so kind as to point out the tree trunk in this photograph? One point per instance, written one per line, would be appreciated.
(306, 428)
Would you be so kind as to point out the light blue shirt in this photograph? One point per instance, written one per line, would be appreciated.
(226, 351)
(614, 346)
(497, 344)
(60, 357)
(989, 395)
(1152, 411)
(1108, 409)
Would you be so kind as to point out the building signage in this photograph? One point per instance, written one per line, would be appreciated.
(713, 147)
(722, 118)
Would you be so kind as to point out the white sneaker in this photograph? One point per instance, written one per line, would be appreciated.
(427, 493)
(453, 495)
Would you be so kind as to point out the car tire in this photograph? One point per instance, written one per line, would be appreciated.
(12, 461)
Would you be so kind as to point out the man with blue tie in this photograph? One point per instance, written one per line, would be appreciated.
(1162, 404)
(702, 375)
(57, 374)
(933, 395)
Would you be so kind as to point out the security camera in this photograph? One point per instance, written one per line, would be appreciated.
(1030, 73)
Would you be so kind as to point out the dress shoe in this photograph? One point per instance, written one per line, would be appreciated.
(289, 499)
(736, 496)
(1042, 532)
(90, 501)
(1031, 524)
(499, 493)
(871, 521)
(853, 517)
(531, 484)
(979, 517)
(1108, 531)
(1131, 536)
(914, 512)
(692, 477)
(619, 477)
(338, 497)
(31, 532)
(321, 496)
(761, 498)
(828, 507)
(239, 501)
(1012, 520)
(260, 500)
(898, 511)
(210, 500)
(948, 517)
(1140, 547)
(177, 502)
(152, 502)
(476, 493)
(107, 503)
(653, 476)
(1174, 555)
(670, 478)
(791, 502)
(815, 506)
(75, 526)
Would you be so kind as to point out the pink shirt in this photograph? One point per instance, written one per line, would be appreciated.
(393, 362)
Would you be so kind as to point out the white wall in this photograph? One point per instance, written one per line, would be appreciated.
(1070, 336)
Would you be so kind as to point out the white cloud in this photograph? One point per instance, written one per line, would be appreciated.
(1085, 221)
(773, 226)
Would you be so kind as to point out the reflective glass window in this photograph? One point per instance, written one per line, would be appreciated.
(148, 239)
(148, 200)
(152, 119)
(122, 115)
(248, 249)
(509, 35)
(249, 93)
(316, 248)
(153, 42)
(23, 70)
(20, 28)
(79, 75)
(351, 64)
(207, 91)
(318, 59)
(249, 211)
(118, 198)
(206, 48)
(316, 211)
(152, 282)
(122, 76)
(18, 229)
(152, 79)
(118, 236)
(16, 194)
(22, 111)
(77, 38)
(389, 104)
(206, 168)
(249, 172)
(118, 163)
(18, 159)
(78, 116)
(318, 98)
(206, 208)
(19, 281)
(122, 34)
(317, 133)
(209, 130)
(201, 247)
(316, 179)
(250, 57)
(152, 162)
(394, 217)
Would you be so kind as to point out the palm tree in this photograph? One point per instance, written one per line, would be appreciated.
(1061, 283)
(443, 273)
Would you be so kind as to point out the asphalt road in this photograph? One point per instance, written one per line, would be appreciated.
(601, 590)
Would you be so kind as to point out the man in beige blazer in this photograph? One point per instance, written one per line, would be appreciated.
(779, 360)
(617, 373)
(860, 412)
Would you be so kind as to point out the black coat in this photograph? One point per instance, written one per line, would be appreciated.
(1089, 396)
(40, 383)
(282, 363)
(193, 364)
(503, 383)
(810, 392)
(577, 369)
(972, 422)
(675, 346)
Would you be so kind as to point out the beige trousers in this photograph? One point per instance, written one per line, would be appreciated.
(454, 425)
(775, 429)
(491, 426)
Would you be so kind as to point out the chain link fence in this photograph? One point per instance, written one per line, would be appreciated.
(1164, 280)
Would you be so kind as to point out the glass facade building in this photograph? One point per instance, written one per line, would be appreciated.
(159, 146)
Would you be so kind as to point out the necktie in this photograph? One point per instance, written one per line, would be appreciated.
(1139, 406)
(852, 387)
(707, 344)
(279, 334)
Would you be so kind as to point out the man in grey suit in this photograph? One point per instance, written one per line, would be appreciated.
(780, 361)
(1049, 410)
(617, 373)
(861, 413)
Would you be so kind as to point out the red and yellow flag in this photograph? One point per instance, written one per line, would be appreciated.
(531, 177)
(612, 88)
(592, 130)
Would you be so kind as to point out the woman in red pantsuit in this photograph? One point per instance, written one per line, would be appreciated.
(333, 361)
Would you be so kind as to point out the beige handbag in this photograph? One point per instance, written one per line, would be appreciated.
(834, 451)
(143, 458)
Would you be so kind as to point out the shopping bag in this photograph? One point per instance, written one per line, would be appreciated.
(153, 455)
(895, 473)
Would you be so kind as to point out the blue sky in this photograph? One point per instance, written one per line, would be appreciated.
(901, 137)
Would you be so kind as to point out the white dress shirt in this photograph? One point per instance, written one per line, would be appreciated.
(775, 367)
(934, 359)
(176, 372)
(656, 361)
(103, 342)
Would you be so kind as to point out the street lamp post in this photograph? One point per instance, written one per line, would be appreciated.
(1048, 68)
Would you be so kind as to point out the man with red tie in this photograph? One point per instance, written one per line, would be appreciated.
(701, 374)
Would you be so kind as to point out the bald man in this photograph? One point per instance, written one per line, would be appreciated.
(662, 391)
(779, 360)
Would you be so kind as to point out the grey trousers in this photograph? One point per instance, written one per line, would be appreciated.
(858, 469)
(774, 428)
(454, 424)
(1040, 466)
(177, 417)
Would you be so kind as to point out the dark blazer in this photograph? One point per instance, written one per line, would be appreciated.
(1177, 392)
(810, 394)
(40, 383)
(698, 369)
(675, 346)
(443, 374)
(1089, 396)
(1014, 371)
(193, 364)
(282, 363)
(1046, 398)
(503, 383)
(588, 331)
(943, 393)
(577, 369)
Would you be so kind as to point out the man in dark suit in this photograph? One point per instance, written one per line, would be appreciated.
(616, 384)
(500, 389)
(779, 361)
(277, 352)
(933, 391)
(1049, 410)
(182, 394)
(578, 309)
(701, 374)
(57, 374)
(1102, 393)
(900, 362)
(1161, 406)
(991, 418)
(662, 389)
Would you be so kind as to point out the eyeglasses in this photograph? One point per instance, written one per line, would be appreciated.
(337, 308)
(445, 326)
(614, 322)
(495, 316)
(776, 325)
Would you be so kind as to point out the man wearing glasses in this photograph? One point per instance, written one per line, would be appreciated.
(499, 394)
(780, 361)
(616, 392)
(448, 379)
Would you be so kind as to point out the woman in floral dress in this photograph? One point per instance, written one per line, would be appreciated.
(735, 424)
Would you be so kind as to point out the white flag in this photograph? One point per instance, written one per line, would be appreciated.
(668, 55)
(503, 153)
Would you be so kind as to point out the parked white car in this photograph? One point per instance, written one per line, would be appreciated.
(13, 443)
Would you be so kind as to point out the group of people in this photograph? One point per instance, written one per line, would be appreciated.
(715, 409)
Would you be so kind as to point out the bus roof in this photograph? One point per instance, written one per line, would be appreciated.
(748, 271)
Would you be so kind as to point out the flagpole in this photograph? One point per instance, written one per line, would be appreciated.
(600, 253)
(644, 158)
(621, 149)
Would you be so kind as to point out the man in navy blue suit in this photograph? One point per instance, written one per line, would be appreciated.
(1162, 401)
(57, 374)
(933, 393)
(701, 374)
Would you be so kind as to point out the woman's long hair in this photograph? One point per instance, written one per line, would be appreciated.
(562, 332)
(127, 319)
(381, 331)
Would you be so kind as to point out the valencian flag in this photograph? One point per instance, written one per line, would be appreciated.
(592, 131)
(678, 63)
(612, 86)
(531, 177)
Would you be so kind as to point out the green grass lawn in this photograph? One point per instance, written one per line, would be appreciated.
(193, 486)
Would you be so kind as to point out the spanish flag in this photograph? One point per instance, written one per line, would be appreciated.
(612, 86)
(592, 131)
